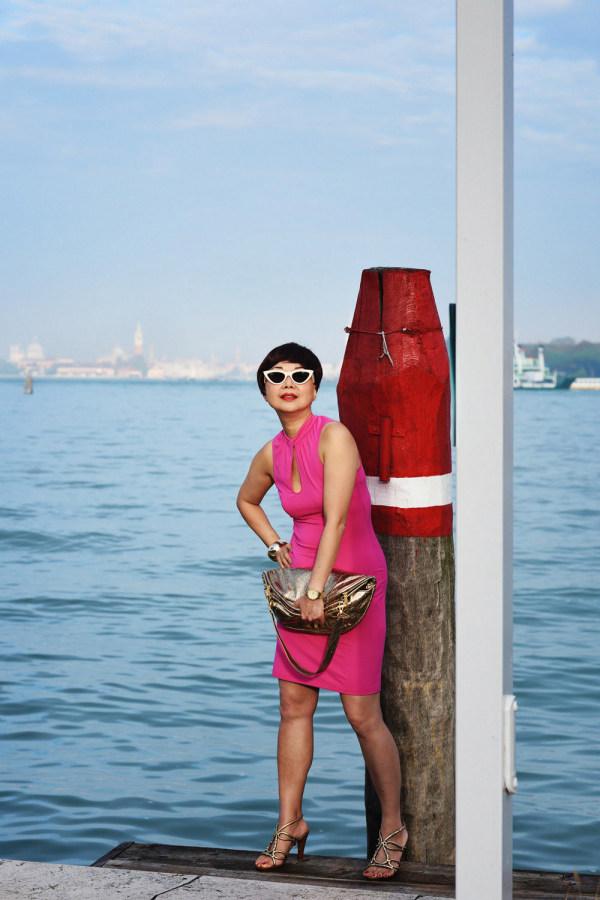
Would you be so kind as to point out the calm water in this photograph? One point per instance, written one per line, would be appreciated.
(136, 706)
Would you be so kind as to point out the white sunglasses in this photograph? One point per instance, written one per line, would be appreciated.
(298, 376)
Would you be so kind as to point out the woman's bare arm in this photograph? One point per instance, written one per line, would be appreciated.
(256, 484)
(340, 462)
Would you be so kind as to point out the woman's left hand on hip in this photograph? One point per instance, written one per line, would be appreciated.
(284, 556)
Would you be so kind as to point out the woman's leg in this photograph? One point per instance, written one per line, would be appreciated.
(294, 757)
(381, 758)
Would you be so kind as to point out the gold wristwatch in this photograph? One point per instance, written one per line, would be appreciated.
(313, 594)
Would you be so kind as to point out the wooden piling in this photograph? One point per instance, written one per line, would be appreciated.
(417, 692)
(394, 396)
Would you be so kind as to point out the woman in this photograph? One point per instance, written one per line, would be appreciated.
(314, 464)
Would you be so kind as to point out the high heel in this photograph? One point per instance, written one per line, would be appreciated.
(386, 844)
(278, 857)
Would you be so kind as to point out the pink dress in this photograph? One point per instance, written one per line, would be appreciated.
(356, 665)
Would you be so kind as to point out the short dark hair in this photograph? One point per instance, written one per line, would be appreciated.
(294, 353)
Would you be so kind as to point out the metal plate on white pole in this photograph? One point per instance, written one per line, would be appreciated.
(484, 331)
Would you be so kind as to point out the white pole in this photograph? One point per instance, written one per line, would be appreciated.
(484, 329)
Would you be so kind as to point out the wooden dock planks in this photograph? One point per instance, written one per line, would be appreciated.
(342, 872)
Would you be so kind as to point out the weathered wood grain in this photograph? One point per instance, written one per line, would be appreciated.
(417, 692)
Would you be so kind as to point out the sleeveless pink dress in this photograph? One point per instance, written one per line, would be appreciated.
(356, 665)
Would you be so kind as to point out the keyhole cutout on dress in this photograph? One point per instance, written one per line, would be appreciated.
(296, 482)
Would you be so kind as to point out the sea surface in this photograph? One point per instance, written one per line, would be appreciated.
(136, 700)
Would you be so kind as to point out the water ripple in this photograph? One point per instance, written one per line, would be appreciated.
(136, 700)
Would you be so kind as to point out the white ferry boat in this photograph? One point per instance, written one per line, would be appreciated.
(532, 373)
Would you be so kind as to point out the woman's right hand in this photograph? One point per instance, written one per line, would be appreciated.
(311, 611)
(284, 556)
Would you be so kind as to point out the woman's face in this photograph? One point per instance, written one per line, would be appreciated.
(289, 396)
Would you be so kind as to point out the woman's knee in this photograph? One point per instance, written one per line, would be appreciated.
(364, 719)
(297, 704)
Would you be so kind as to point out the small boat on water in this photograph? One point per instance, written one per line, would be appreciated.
(585, 384)
(532, 373)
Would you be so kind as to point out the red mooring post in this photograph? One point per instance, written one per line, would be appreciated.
(394, 396)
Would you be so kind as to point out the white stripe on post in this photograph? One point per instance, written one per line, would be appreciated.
(411, 493)
(484, 445)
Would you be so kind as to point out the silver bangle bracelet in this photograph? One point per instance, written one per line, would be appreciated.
(274, 548)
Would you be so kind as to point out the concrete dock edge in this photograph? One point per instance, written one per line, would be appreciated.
(20, 880)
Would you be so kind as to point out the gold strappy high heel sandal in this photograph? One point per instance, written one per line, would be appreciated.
(278, 857)
(386, 844)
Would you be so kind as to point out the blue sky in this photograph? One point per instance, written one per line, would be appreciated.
(223, 171)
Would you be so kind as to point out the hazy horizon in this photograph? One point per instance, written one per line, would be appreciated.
(149, 352)
(222, 173)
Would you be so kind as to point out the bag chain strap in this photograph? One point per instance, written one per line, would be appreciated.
(330, 649)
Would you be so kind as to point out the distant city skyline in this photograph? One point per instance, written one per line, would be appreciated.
(35, 352)
(63, 348)
(575, 365)
(32, 360)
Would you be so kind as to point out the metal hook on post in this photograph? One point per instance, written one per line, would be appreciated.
(384, 348)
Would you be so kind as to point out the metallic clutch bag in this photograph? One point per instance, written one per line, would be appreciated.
(347, 599)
